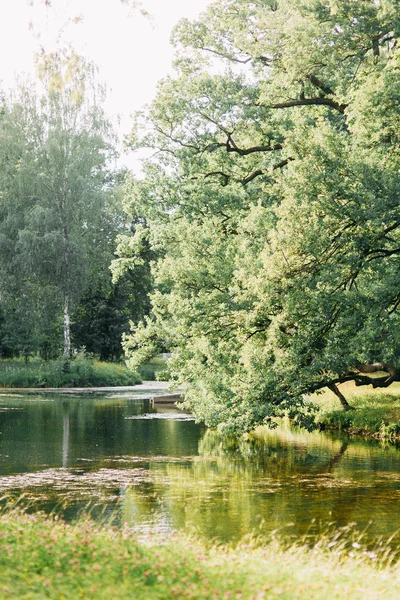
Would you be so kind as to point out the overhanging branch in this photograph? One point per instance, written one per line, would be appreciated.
(317, 101)
(321, 85)
(360, 375)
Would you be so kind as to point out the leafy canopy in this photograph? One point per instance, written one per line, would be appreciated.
(57, 205)
(271, 202)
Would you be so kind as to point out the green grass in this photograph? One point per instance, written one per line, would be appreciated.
(154, 369)
(85, 372)
(376, 412)
(43, 558)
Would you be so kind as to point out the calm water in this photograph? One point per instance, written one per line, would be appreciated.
(161, 471)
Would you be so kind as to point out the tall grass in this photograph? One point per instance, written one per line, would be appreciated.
(85, 372)
(44, 558)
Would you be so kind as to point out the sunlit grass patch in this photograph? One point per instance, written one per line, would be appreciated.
(154, 369)
(376, 411)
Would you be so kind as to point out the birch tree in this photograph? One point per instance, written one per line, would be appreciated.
(56, 197)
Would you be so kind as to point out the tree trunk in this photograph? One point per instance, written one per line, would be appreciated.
(67, 335)
(334, 388)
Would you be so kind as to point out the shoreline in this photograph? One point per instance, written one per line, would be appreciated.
(152, 386)
(45, 557)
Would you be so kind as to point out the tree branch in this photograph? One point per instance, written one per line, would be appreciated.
(381, 253)
(259, 172)
(224, 176)
(318, 100)
(320, 85)
(360, 377)
(231, 147)
(253, 175)
(243, 61)
(396, 304)
(334, 388)
(175, 140)
(226, 55)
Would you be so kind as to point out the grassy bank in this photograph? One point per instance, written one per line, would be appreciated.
(376, 412)
(85, 372)
(49, 559)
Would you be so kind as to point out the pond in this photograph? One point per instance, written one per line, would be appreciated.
(157, 470)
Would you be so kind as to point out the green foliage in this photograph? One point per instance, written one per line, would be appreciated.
(271, 204)
(154, 370)
(59, 210)
(84, 372)
(103, 315)
(48, 558)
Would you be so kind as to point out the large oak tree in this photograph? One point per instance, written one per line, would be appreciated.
(272, 201)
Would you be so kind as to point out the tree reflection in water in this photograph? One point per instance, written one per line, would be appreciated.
(75, 452)
(293, 482)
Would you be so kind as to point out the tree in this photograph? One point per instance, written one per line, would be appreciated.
(104, 313)
(272, 201)
(57, 179)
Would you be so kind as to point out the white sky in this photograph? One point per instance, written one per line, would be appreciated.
(132, 52)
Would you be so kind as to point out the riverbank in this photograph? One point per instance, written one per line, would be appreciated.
(43, 558)
(374, 413)
(84, 372)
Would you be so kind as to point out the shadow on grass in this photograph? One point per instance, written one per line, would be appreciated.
(374, 413)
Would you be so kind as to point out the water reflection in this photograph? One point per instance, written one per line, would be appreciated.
(65, 442)
(168, 473)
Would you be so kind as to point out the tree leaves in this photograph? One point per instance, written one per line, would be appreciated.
(272, 200)
(55, 146)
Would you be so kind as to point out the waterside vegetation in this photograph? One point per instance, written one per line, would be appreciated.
(84, 372)
(373, 412)
(270, 202)
(46, 558)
